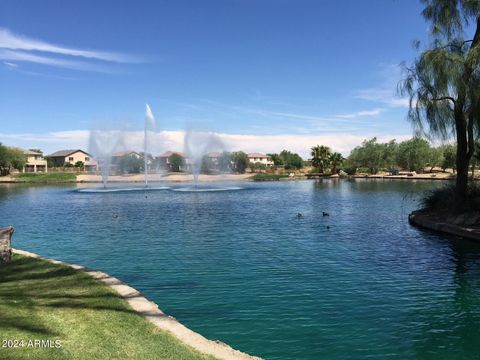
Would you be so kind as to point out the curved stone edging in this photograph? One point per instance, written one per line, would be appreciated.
(416, 218)
(153, 314)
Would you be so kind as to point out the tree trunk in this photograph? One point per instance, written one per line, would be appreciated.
(6, 244)
(462, 152)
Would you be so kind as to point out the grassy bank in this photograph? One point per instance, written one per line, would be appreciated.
(44, 301)
(267, 177)
(45, 177)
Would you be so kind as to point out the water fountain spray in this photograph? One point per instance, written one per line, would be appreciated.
(197, 145)
(149, 125)
(103, 144)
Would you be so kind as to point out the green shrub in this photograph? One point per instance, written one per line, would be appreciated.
(445, 198)
(267, 177)
(364, 170)
(350, 170)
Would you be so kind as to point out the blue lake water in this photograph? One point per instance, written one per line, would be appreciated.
(239, 266)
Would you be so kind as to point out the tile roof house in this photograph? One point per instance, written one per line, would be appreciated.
(260, 158)
(64, 157)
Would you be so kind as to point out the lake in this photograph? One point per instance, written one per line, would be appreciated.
(241, 267)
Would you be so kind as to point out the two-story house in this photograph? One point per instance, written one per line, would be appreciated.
(35, 162)
(64, 157)
(260, 158)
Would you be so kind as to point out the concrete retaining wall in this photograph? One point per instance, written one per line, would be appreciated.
(416, 218)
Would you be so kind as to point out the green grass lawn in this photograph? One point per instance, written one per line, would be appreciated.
(267, 177)
(46, 177)
(44, 301)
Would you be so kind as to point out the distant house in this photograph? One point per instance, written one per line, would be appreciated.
(129, 166)
(64, 157)
(214, 156)
(214, 159)
(260, 158)
(163, 161)
(35, 162)
(118, 155)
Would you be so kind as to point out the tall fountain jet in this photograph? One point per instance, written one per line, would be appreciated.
(103, 144)
(197, 145)
(149, 125)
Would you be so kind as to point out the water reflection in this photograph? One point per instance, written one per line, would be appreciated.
(451, 317)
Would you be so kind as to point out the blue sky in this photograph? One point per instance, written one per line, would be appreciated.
(265, 74)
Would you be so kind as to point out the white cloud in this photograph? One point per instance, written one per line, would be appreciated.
(383, 95)
(10, 65)
(14, 47)
(386, 90)
(173, 140)
(68, 64)
(9, 40)
(361, 113)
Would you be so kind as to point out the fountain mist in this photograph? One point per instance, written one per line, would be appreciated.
(197, 145)
(102, 145)
(149, 125)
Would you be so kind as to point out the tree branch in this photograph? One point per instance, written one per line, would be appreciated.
(458, 46)
(443, 98)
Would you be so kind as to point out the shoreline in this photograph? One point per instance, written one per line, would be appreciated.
(157, 178)
(424, 220)
(153, 314)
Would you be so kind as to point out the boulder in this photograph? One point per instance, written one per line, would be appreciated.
(6, 244)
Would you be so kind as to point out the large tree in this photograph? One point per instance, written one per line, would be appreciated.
(239, 161)
(288, 159)
(444, 82)
(11, 158)
(371, 154)
(176, 162)
(414, 154)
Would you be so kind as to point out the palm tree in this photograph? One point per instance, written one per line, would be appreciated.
(336, 159)
(320, 157)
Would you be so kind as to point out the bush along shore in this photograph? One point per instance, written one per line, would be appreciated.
(267, 177)
(444, 211)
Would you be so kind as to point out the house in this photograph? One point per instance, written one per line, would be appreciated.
(118, 155)
(35, 162)
(128, 162)
(163, 161)
(71, 157)
(214, 159)
(260, 158)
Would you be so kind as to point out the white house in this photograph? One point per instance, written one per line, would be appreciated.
(35, 162)
(260, 158)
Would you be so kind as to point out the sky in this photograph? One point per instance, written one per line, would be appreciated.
(263, 75)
